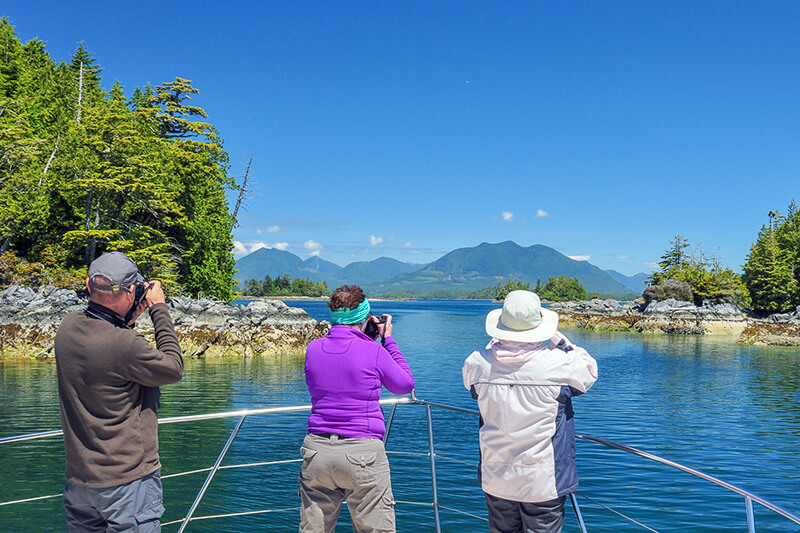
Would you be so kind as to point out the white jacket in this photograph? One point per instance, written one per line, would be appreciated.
(527, 437)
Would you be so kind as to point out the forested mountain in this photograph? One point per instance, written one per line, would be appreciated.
(84, 170)
(380, 269)
(454, 274)
(274, 263)
(326, 269)
(636, 283)
(271, 262)
(486, 265)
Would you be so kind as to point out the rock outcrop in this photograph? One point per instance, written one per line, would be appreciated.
(672, 316)
(29, 320)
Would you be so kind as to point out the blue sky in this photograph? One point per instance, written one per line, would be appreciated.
(408, 129)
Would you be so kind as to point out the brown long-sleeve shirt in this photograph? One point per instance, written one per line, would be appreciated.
(107, 379)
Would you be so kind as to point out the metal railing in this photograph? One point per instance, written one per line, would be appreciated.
(242, 415)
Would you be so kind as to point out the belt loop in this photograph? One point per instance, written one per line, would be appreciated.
(334, 437)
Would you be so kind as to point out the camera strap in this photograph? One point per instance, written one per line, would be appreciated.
(97, 311)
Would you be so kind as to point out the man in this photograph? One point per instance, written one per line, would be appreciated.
(527, 437)
(108, 379)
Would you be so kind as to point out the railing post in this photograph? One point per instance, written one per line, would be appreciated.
(434, 486)
(751, 519)
(577, 509)
(211, 474)
(389, 425)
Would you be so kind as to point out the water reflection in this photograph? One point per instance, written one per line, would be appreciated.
(706, 402)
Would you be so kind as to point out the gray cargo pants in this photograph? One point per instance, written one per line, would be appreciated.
(336, 468)
(507, 516)
(133, 507)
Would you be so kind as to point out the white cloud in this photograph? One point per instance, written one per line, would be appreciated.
(281, 246)
(312, 245)
(408, 245)
(623, 257)
(541, 213)
(374, 241)
(269, 229)
(580, 257)
(508, 216)
(239, 248)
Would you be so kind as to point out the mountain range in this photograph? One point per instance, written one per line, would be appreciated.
(455, 274)
(275, 263)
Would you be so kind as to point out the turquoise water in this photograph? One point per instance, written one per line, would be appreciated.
(732, 411)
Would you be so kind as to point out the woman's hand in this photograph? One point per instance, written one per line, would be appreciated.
(557, 338)
(385, 328)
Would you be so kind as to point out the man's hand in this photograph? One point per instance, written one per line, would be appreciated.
(155, 295)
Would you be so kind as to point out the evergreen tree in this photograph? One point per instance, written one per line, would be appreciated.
(770, 270)
(199, 164)
(563, 289)
(25, 71)
(707, 279)
(83, 171)
(511, 285)
(675, 259)
(127, 198)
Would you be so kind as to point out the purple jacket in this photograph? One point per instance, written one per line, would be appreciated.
(344, 374)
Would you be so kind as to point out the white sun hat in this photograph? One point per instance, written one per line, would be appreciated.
(522, 319)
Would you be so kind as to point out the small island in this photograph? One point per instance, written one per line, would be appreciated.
(29, 320)
(683, 318)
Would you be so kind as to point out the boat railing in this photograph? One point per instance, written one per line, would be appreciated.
(241, 415)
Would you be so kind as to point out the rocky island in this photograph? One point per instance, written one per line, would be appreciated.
(29, 320)
(679, 317)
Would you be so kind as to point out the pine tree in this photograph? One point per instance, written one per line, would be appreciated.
(25, 75)
(83, 171)
(769, 274)
(199, 164)
(128, 201)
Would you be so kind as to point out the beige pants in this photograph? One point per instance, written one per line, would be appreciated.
(353, 469)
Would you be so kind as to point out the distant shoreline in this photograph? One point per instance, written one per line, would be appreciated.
(320, 298)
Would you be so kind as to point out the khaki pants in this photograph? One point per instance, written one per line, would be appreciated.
(336, 468)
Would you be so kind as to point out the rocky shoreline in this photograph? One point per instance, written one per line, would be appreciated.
(29, 320)
(672, 316)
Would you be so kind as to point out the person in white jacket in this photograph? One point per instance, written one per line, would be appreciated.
(524, 381)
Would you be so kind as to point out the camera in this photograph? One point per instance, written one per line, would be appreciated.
(140, 291)
(371, 328)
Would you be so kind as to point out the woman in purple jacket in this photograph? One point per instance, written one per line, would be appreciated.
(343, 453)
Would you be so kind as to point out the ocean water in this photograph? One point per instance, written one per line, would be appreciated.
(731, 411)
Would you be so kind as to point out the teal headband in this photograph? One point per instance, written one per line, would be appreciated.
(347, 316)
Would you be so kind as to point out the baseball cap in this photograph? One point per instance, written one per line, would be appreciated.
(118, 268)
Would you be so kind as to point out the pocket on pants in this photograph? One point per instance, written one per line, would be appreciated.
(308, 458)
(149, 502)
(364, 467)
(388, 519)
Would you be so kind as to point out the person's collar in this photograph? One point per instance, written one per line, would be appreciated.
(101, 312)
(342, 330)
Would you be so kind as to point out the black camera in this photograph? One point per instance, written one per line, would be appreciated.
(140, 291)
(371, 328)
